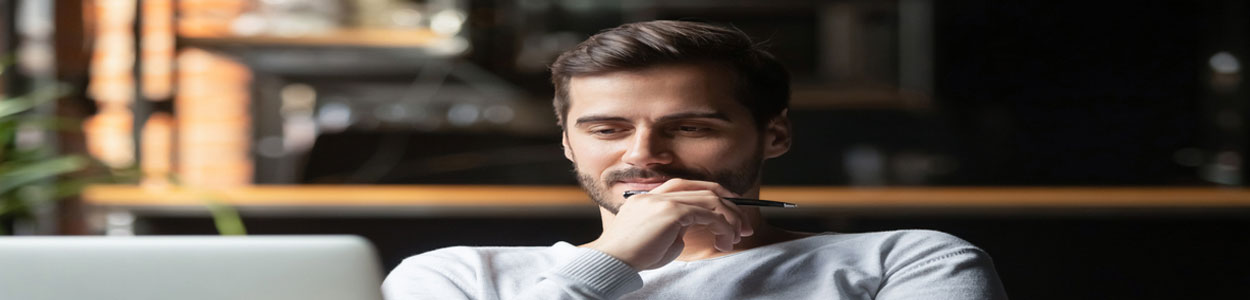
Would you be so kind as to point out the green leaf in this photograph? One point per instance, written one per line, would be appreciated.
(15, 106)
(6, 207)
(73, 186)
(51, 123)
(11, 207)
(226, 219)
(7, 131)
(16, 176)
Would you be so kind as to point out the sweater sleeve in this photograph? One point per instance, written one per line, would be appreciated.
(946, 267)
(589, 274)
(584, 274)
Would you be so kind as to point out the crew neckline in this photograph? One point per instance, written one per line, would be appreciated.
(567, 245)
(756, 249)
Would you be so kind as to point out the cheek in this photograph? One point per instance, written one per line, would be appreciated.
(710, 151)
(592, 155)
(741, 146)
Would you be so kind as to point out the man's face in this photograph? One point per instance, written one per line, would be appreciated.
(634, 130)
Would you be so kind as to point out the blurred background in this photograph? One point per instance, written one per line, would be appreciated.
(412, 122)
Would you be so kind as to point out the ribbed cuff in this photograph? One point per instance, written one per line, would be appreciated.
(601, 273)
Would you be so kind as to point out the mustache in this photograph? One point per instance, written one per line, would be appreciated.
(668, 172)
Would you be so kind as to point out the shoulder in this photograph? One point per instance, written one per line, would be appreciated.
(916, 240)
(463, 272)
(929, 254)
(464, 258)
(908, 247)
(933, 265)
(900, 249)
(462, 267)
(890, 241)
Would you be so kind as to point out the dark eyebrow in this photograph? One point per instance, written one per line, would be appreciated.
(676, 116)
(593, 118)
(696, 115)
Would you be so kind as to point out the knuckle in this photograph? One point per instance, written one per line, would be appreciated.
(666, 204)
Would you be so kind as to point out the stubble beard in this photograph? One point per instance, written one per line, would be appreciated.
(738, 179)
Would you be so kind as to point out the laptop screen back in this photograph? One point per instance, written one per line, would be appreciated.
(187, 267)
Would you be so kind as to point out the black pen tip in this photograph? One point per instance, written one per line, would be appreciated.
(633, 192)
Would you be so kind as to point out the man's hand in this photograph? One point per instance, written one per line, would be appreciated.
(647, 231)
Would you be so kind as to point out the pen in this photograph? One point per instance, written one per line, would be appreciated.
(738, 201)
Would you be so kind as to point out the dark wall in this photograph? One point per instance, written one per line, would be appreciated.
(1072, 93)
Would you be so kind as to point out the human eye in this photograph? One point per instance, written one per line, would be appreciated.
(605, 131)
(691, 130)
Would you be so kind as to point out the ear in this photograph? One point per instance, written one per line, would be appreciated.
(777, 136)
(564, 144)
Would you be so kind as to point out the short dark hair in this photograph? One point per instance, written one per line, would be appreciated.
(763, 84)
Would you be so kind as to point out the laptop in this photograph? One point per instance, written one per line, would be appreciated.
(189, 267)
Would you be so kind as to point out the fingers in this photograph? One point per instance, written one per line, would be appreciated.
(648, 230)
(722, 217)
(707, 200)
(678, 185)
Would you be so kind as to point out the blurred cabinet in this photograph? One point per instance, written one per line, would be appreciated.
(310, 70)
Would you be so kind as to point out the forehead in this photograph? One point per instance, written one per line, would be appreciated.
(664, 88)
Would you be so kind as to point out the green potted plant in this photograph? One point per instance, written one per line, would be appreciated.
(33, 175)
(28, 173)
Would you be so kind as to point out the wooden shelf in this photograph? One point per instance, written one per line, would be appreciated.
(360, 37)
(339, 195)
(571, 196)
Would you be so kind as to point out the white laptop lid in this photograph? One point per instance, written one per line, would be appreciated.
(189, 267)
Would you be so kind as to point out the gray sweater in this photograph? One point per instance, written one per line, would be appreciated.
(909, 264)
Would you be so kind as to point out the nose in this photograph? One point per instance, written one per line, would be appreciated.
(648, 147)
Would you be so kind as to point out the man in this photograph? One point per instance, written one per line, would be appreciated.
(689, 112)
